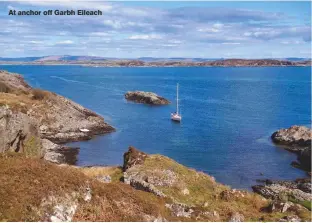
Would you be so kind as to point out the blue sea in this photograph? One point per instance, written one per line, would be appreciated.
(228, 115)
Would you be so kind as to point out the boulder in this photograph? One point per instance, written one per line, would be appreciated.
(146, 98)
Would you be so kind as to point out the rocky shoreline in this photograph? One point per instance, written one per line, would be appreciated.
(37, 121)
(296, 139)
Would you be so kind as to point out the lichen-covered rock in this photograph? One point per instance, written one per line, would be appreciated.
(279, 191)
(146, 98)
(135, 180)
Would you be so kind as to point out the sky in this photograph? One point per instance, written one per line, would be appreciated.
(162, 29)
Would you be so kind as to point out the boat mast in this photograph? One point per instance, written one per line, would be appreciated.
(177, 98)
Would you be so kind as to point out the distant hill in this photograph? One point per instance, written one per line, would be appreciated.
(70, 58)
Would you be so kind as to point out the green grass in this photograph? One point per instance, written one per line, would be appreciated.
(306, 204)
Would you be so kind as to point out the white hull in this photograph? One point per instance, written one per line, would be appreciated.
(176, 117)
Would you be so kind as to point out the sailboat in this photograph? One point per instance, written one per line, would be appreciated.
(176, 116)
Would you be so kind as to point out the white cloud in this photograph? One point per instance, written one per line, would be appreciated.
(233, 43)
(212, 30)
(145, 37)
(65, 42)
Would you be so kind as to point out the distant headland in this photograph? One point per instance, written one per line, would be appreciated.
(154, 62)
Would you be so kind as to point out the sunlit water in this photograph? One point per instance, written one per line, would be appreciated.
(228, 115)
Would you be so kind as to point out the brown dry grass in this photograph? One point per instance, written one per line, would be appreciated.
(25, 182)
(24, 102)
(114, 172)
(4, 88)
(39, 94)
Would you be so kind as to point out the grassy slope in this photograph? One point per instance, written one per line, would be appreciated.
(203, 189)
(25, 182)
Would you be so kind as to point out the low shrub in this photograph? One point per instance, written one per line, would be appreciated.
(39, 94)
(4, 88)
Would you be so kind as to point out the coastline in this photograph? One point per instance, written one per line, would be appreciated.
(176, 63)
(187, 193)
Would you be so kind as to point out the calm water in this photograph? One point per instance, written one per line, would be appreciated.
(228, 115)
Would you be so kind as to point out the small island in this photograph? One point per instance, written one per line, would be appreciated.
(146, 98)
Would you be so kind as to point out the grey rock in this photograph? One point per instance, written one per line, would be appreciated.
(290, 218)
(279, 206)
(146, 98)
(180, 210)
(275, 191)
(136, 182)
(59, 153)
(237, 217)
(295, 136)
(60, 208)
(105, 179)
(18, 132)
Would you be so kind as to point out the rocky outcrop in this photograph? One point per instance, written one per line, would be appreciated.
(33, 120)
(14, 81)
(296, 139)
(146, 98)
(299, 190)
(59, 153)
(133, 157)
(189, 194)
(60, 119)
